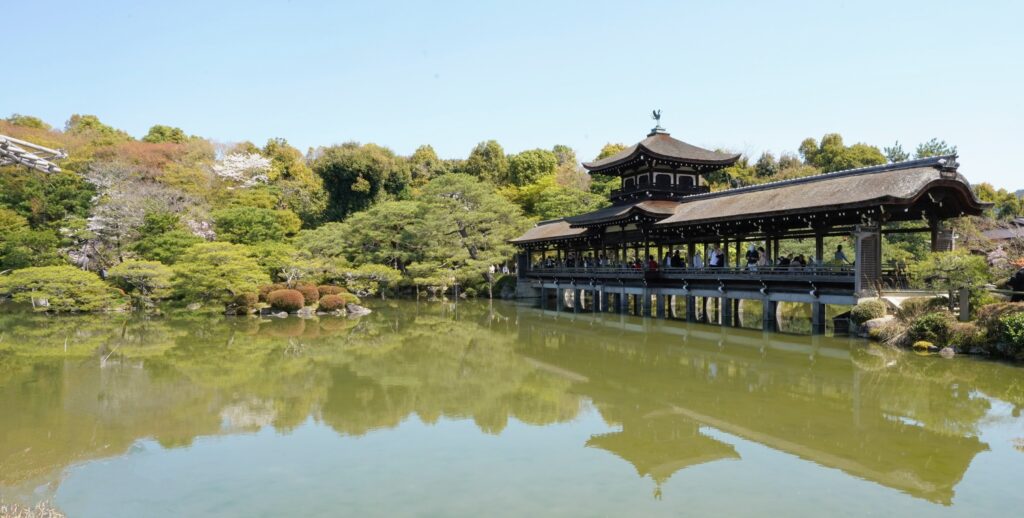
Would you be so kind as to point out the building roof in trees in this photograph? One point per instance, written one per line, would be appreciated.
(660, 147)
(924, 184)
(551, 230)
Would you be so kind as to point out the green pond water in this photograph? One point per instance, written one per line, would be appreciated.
(474, 409)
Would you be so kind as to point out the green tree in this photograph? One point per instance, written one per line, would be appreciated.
(424, 165)
(217, 272)
(355, 176)
(833, 155)
(99, 133)
(58, 288)
(45, 199)
(27, 121)
(387, 233)
(253, 224)
(370, 279)
(896, 153)
(26, 247)
(766, 165)
(610, 149)
(934, 147)
(146, 281)
(159, 134)
(487, 161)
(530, 165)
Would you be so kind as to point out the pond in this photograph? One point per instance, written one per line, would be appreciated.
(494, 409)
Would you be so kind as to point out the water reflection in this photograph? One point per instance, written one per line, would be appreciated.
(79, 388)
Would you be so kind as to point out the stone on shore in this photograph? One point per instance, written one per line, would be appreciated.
(947, 352)
(355, 310)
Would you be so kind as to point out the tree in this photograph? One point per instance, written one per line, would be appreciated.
(27, 121)
(832, 155)
(487, 161)
(245, 169)
(934, 147)
(89, 126)
(896, 153)
(355, 176)
(58, 288)
(146, 281)
(387, 233)
(254, 224)
(424, 165)
(217, 272)
(300, 189)
(610, 149)
(160, 133)
(370, 279)
(25, 247)
(530, 165)
(45, 199)
(766, 166)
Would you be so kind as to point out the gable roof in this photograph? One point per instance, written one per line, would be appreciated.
(662, 146)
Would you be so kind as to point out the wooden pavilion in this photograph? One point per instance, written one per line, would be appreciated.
(664, 207)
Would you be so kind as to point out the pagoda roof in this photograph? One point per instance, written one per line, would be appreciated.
(551, 230)
(615, 214)
(659, 145)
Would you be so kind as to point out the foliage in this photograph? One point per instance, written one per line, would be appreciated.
(1012, 327)
(286, 300)
(243, 304)
(160, 133)
(833, 155)
(146, 280)
(487, 161)
(931, 327)
(951, 271)
(165, 247)
(217, 272)
(27, 121)
(370, 279)
(253, 224)
(530, 165)
(896, 153)
(989, 317)
(244, 169)
(309, 292)
(355, 176)
(45, 199)
(915, 307)
(934, 147)
(89, 126)
(1007, 204)
(330, 289)
(59, 288)
(966, 336)
(867, 310)
(331, 303)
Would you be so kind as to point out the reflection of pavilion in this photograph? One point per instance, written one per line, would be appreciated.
(809, 400)
(658, 445)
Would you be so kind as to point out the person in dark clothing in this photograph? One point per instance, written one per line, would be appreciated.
(1016, 283)
(752, 257)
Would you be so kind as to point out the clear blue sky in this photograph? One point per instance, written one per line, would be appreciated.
(748, 76)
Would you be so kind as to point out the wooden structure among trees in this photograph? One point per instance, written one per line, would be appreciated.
(601, 260)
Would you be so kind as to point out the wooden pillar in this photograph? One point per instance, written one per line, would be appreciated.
(817, 318)
(623, 302)
(726, 313)
(868, 269)
(691, 309)
(942, 237)
(576, 306)
(691, 250)
(819, 248)
(736, 322)
(543, 301)
(645, 303)
(739, 252)
(559, 299)
(770, 315)
(661, 305)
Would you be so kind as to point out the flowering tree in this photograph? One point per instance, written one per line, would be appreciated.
(247, 169)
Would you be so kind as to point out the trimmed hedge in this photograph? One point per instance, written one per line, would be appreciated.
(990, 316)
(868, 310)
(243, 303)
(332, 303)
(286, 300)
(309, 293)
(266, 289)
(1012, 327)
(916, 307)
(330, 289)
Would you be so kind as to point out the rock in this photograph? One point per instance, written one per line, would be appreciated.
(947, 352)
(977, 350)
(871, 327)
(356, 310)
(306, 312)
(281, 314)
(193, 306)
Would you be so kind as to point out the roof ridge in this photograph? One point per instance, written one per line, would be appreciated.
(934, 161)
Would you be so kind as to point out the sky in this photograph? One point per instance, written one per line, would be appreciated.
(744, 76)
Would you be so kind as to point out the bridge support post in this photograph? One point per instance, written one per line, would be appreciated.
(605, 296)
(691, 309)
(645, 303)
(623, 300)
(661, 305)
(543, 297)
(726, 305)
(736, 320)
(770, 316)
(817, 318)
(576, 304)
(559, 299)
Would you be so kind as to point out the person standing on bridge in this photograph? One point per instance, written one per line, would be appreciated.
(752, 257)
(698, 261)
(840, 257)
(716, 259)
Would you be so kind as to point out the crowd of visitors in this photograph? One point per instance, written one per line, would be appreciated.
(756, 258)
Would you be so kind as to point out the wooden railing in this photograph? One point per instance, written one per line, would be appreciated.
(829, 272)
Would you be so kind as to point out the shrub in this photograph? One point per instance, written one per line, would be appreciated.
(309, 293)
(59, 288)
(966, 336)
(867, 310)
(286, 300)
(332, 302)
(217, 271)
(932, 327)
(1012, 327)
(330, 289)
(990, 316)
(916, 307)
(243, 304)
(349, 298)
(146, 280)
(267, 288)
